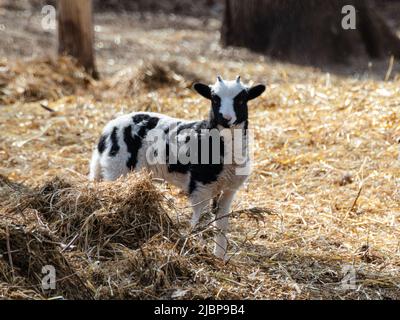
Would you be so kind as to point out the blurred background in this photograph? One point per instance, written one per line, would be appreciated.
(301, 32)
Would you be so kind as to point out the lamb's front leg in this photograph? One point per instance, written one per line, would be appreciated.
(222, 223)
(200, 200)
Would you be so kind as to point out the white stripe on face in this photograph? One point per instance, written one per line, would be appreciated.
(227, 91)
(227, 111)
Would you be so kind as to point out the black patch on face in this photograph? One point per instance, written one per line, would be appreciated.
(240, 107)
(114, 143)
(134, 142)
(102, 144)
(216, 117)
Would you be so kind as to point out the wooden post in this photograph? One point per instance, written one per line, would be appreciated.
(75, 32)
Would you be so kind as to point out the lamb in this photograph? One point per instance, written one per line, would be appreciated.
(197, 156)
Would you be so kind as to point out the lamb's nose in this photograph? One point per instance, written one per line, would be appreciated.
(227, 117)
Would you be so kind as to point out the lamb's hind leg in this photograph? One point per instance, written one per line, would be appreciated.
(95, 167)
(222, 223)
(113, 167)
(105, 168)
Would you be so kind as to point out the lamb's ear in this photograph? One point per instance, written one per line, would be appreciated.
(256, 91)
(203, 90)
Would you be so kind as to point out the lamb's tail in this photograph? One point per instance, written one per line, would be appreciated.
(95, 167)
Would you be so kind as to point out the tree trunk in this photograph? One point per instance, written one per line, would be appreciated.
(307, 31)
(75, 32)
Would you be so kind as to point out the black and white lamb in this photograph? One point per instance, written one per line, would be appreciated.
(208, 159)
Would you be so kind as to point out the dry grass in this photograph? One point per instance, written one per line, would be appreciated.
(106, 240)
(324, 193)
(41, 79)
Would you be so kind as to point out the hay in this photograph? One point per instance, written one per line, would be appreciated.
(128, 213)
(41, 79)
(146, 76)
(25, 251)
(106, 241)
(94, 219)
(92, 216)
(324, 193)
(154, 271)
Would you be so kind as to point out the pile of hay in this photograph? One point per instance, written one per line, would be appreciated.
(41, 79)
(60, 220)
(49, 79)
(96, 216)
(147, 76)
(105, 240)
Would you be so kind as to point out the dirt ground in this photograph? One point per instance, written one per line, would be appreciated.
(326, 174)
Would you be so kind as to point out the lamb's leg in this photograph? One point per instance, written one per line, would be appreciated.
(200, 200)
(222, 223)
(214, 203)
(113, 168)
(95, 168)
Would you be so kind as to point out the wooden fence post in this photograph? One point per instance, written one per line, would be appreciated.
(75, 32)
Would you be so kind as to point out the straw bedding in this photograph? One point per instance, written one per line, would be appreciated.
(323, 195)
(105, 240)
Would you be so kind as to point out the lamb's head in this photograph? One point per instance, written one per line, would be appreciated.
(229, 100)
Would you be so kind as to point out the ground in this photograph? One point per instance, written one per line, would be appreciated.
(323, 199)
